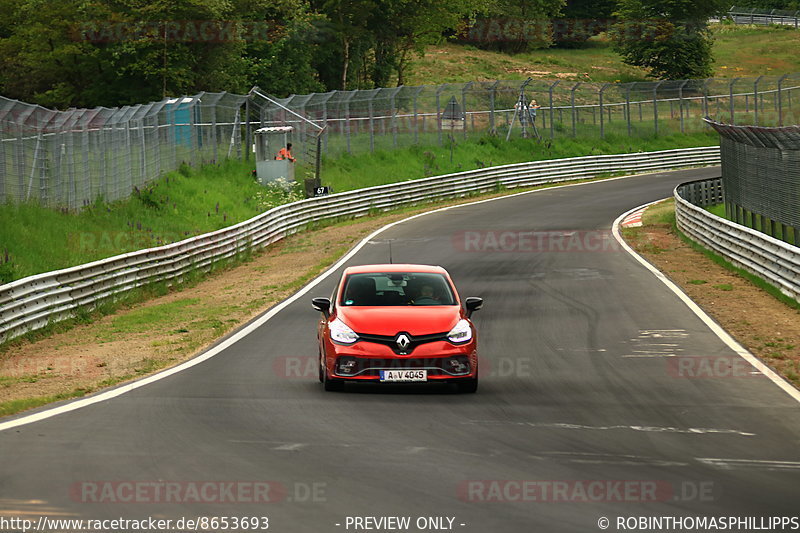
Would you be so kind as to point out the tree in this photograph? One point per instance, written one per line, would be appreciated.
(670, 38)
(514, 26)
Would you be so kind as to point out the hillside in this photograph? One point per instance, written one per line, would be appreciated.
(739, 51)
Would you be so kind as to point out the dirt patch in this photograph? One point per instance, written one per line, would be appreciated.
(767, 327)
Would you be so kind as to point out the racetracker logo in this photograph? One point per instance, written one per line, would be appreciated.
(182, 31)
(205, 492)
(529, 241)
(688, 367)
(582, 490)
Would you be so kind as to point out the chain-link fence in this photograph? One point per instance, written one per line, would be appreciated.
(71, 158)
(376, 119)
(761, 178)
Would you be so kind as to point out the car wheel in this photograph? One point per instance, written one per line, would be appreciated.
(331, 385)
(468, 385)
(321, 366)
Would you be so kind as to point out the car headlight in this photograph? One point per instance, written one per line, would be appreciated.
(341, 332)
(462, 332)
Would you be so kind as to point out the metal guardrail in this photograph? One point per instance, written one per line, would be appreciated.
(773, 260)
(764, 17)
(36, 301)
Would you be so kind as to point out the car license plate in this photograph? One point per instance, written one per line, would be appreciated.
(404, 375)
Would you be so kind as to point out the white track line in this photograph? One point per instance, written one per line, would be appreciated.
(721, 333)
(260, 321)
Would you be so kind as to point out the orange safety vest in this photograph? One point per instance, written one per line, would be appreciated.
(285, 154)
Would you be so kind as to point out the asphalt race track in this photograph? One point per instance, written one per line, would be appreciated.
(601, 395)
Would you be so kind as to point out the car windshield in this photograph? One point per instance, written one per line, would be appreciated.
(397, 288)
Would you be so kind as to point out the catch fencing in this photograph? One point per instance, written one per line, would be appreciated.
(761, 177)
(71, 158)
(34, 302)
(381, 119)
(771, 259)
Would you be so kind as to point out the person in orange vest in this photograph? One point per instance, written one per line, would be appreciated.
(286, 153)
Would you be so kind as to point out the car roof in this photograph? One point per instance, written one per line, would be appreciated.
(364, 269)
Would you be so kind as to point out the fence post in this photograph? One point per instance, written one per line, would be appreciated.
(552, 118)
(492, 96)
(347, 117)
(325, 120)
(655, 105)
(416, 114)
(628, 106)
(755, 97)
(705, 98)
(780, 99)
(572, 105)
(392, 114)
(730, 102)
(371, 121)
(467, 86)
(602, 115)
(247, 128)
(680, 101)
(439, 113)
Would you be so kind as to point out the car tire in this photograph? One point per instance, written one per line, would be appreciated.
(321, 366)
(468, 386)
(333, 385)
(330, 385)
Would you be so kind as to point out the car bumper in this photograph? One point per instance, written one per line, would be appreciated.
(364, 361)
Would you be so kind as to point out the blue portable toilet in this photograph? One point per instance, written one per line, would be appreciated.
(179, 111)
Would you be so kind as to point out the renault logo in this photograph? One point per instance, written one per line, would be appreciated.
(403, 342)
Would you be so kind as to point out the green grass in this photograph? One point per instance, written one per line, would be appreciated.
(753, 222)
(348, 172)
(195, 201)
(739, 51)
(181, 204)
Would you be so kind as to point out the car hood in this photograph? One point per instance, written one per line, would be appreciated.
(390, 320)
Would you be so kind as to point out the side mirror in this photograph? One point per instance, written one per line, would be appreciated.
(323, 305)
(473, 304)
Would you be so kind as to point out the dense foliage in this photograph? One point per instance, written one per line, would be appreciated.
(670, 38)
(87, 53)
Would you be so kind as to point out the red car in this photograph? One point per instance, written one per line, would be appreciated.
(397, 324)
